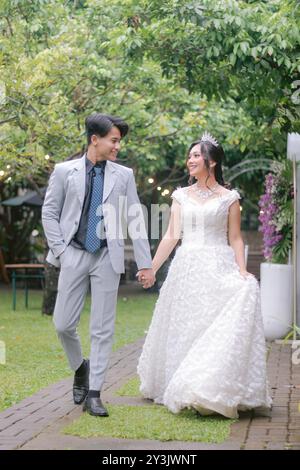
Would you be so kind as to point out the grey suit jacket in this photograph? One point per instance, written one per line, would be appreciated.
(63, 204)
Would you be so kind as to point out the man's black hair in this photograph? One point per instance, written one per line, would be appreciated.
(101, 124)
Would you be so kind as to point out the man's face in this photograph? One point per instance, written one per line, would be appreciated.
(107, 147)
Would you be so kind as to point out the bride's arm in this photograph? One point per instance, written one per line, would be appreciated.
(170, 239)
(235, 237)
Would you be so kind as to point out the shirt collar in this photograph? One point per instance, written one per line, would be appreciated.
(90, 165)
(101, 164)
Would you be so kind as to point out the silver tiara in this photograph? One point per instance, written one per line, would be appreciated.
(206, 137)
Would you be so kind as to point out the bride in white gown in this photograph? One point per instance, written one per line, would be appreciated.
(205, 347)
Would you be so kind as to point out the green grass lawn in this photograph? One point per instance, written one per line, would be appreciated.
(34, 356)
(130, 388)
(150, 421)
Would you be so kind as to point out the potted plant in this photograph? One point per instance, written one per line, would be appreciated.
(276, 274)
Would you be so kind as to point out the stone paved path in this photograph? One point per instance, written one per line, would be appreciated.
(35, 423)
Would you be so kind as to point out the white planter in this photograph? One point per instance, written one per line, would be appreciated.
(276, 287)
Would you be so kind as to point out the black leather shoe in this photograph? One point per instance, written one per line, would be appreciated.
(81, 385)
(94, 406)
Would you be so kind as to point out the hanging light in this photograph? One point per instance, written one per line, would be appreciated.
(150, 180)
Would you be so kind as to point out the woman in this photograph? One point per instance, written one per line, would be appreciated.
(205, 348)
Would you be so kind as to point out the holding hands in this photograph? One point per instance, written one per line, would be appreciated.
(146, 277)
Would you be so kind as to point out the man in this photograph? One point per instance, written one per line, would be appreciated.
(81, 217)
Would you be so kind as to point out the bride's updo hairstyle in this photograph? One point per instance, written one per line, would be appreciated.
(210, 152)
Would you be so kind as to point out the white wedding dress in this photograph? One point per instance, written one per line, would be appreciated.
(205, 348)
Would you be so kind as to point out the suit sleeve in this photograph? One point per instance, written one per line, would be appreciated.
(51, 210)
(136, 226)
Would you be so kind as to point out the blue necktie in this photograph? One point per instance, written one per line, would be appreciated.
(94, 229)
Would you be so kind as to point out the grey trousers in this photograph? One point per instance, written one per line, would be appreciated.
(78, 269)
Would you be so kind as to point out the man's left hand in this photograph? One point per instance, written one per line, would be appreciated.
(146, 277)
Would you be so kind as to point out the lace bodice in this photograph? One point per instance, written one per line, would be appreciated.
(204, 223)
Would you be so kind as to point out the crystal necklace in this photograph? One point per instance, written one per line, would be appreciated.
(204, 193)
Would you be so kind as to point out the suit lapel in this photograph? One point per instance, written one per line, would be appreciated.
(110, 177)
(79, 178)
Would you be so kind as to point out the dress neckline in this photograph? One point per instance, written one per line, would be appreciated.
(201, 204)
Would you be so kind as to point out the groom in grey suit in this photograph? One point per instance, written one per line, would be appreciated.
(87, 203)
